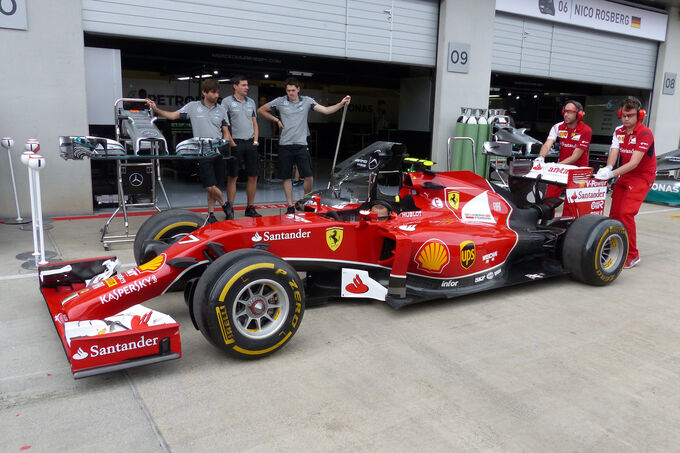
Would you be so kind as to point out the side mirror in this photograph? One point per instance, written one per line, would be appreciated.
(500, 149)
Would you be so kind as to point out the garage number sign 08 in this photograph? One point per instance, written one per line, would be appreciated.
(459, 57)
(669, 80)
(13, 14)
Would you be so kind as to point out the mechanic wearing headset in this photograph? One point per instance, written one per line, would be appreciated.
(633, 142)
(210, 120)
(574, 136)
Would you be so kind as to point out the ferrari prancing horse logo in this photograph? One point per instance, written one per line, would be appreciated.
(453, 198)
(334, 238)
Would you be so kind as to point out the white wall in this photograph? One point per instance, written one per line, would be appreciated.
(461, 21)
(666, 108)
(43, 96)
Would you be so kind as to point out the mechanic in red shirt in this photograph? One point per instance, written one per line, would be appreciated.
(574, 137)
(634, 144)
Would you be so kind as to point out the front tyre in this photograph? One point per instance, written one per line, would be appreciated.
(249, 303)
(165, 228)
(595, 249)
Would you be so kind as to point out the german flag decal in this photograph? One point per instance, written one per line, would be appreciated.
(636, 22)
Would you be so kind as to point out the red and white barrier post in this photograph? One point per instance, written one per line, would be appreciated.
(8, 143)
(35, 163)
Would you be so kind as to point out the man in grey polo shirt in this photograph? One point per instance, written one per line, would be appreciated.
(241, 111)
(294, 110)
(208, 120)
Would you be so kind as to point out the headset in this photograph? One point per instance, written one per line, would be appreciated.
(641, 113)
(579, 109)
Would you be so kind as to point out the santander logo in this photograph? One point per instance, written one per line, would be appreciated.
(357, 286)
(80, 355)
(256, 237)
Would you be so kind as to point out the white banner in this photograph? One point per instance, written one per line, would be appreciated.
(596, 14)
(13, 14)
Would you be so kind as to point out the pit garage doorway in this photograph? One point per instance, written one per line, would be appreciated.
(170, 74)
(536, 103)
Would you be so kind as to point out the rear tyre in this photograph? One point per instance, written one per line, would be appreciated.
(166, 227)
(249, 303)
(595, 249)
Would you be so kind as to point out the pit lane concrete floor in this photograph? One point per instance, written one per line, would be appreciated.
(551, 366)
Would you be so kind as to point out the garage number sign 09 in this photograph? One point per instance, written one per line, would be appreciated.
(459, 57)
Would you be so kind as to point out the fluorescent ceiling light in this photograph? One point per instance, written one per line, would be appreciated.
(184, 78)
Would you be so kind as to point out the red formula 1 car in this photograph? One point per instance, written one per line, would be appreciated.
(246, 281)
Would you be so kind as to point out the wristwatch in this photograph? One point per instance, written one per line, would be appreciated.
(255, 142)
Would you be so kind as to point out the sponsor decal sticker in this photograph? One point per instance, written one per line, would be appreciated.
(284, 236)
(433, 256)
(111, 281)
(153, 265)
(477, 210)
(96, 350)
(453, 199)
(358, 283)
(437, 203)
(409, 227)
(334, 237)
(133, 287)
(467, 254)
(535, 276)
(449, 283)
(660, 187)
(562, 134)
(412, 214)
(489, 257)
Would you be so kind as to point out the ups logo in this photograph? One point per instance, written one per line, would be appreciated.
(467, 254)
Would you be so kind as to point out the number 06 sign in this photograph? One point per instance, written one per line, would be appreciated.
(459, 57)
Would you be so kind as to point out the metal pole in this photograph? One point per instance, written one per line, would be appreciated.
(7, 142)
(337, 146)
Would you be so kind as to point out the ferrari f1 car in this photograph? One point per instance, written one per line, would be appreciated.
(246, 281)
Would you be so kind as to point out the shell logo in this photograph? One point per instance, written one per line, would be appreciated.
(152, 265)
(433, 256)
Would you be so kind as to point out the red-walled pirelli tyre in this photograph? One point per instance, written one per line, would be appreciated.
(595, 249)
(166, 226)
(249, 303)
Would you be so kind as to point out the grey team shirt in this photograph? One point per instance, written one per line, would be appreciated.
(294, 119)
(205, 122)
(241, 116)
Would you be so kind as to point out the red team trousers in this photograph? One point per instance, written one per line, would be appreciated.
(627, 197)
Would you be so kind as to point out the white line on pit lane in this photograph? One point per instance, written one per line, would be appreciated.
(659, 210)
(20, 276)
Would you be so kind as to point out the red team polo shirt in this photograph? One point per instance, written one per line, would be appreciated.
(570, 139)
(641, 139)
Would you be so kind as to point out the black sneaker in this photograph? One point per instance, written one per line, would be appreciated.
(251, 212)
(290, 210)
(210, 219)
(228, 210)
